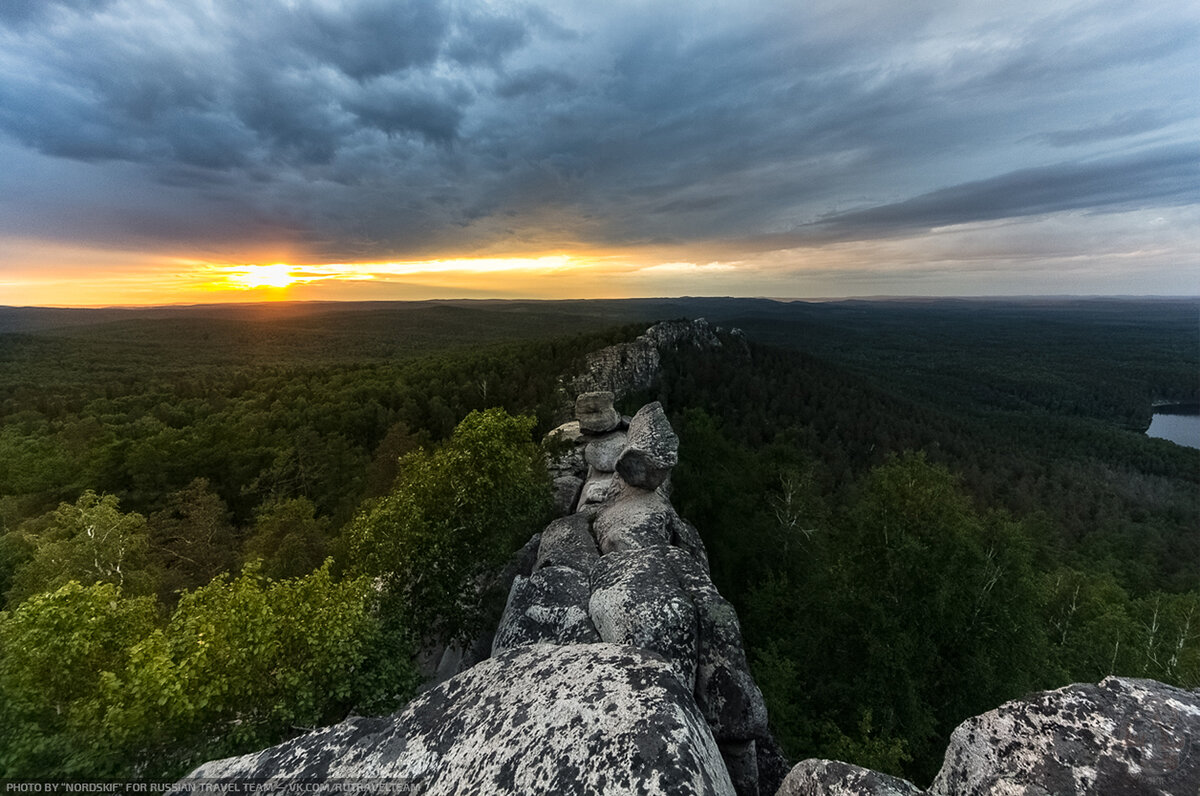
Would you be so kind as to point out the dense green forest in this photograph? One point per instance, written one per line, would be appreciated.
(920, 509)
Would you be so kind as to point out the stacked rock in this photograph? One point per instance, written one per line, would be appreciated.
(623, 567)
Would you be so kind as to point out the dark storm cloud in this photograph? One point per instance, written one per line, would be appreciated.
(1119, 126)
(1163, 177)
(378, 128)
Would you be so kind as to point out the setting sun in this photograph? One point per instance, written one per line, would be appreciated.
(249, 277)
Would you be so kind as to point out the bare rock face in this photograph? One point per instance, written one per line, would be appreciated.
(566, 493)
(595, 412)
(1123, 737)
(548, 607)
(637, 600)
(581, 719)
(835, 778)
(568, 542)
(634, 518)
(651, 451)
(632, 366)
(601, 452)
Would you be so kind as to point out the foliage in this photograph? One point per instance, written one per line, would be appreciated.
(89, 541)
(454, 515)
(191, 540)
(94, 687)
(289, 538)
(58, 651)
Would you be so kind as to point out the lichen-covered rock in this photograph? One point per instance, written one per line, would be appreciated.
(595, 412)
(685, 536)
(835, 778)
(568, 542)
(566, 493)
(548, 607)
(598, 487)
(725, 690)
(1119, 738)
(652, 448)
(634, 518)
(602, 452)
(741, 762)
(629, 367)
(568, 432)
(637, 600)
(583, 719)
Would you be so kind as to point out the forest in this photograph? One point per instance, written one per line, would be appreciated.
(919, 508)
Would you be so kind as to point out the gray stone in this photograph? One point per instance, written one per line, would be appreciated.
(835, 778)
(1123, 736)
(634, 518)
(568, 432)
(652, 449)
(583, 719)
(566, 493)
(595, 412)
(741, 762)
(628, 367)
(685, 536)
(568, 542)
(548, 607)
(602, 452)
(725, 690)
(637, 600)
(598, 487)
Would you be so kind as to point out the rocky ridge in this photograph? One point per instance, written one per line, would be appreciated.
(618, 668)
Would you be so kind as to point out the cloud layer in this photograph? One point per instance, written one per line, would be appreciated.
(386, 129)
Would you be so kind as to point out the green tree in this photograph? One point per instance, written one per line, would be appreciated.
(192, 540)
(454, 515)
(92, 686)
(289, 538)
(57, 650)
(89, 541)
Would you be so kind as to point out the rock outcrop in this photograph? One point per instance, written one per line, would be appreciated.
(835, 778)
(647, 578)
(582, 719)
(628, 367)
(617, 667)
(1122, 736)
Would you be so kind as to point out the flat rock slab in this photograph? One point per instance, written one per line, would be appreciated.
(1119, 738)
(835, 778)
(583, 719)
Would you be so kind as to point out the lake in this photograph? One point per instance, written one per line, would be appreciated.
(1182, 429)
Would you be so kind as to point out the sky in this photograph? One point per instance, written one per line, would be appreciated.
(163, 151)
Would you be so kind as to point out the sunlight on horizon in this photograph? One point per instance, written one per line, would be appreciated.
(280, 276)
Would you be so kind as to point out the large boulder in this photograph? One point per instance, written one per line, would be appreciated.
(634, 518)
(1123, 737)
(602, 452)
(598, 488)
(548, 607)
(725, 689)
(637, 600)
(568, 542)
(566, 490)
(835, 778)
(595, 412)
(582, 719)
(652, 448)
